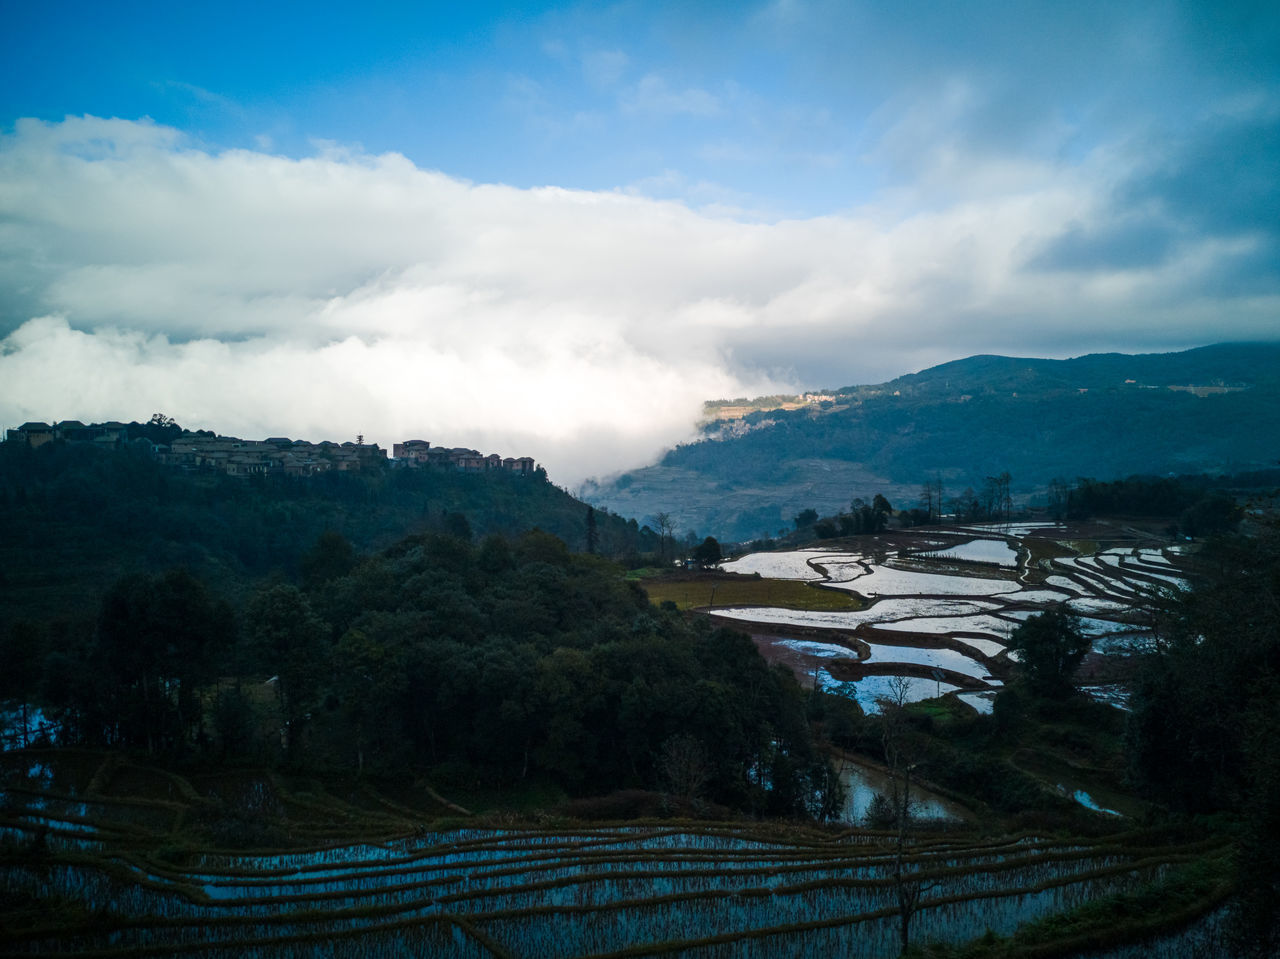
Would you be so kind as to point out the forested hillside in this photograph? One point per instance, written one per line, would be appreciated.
(494, 664)
(1105, 416)
(75, 518)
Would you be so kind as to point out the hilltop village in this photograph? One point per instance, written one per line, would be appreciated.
(274, 456)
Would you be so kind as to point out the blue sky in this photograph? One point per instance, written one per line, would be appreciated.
(440, 209)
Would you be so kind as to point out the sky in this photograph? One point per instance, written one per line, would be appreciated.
(555, 230)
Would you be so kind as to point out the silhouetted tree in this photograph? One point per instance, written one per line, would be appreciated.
(330, 558)
(666, 527)
(291, 642)
(591, 530)
(707, 553)
(805, 518)
(1051, 646)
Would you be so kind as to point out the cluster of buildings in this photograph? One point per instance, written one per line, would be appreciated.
(422, 453)
(274, 456)
(70, 431)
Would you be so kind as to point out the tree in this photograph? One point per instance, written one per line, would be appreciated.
(967, 505)
(456, 524)
(901, 752)
(1059, 497)
(22, 652)
(882, 508)
(591, 530)
(1205, 710)
(1212, 513)
(707, 553)
(291, 641)
(666, 527)
(805, 518)
(157, 641)
(1050, 646)
(931, 499)
(685, 766)
(158, 429)
(369, 681)
(996, 500)
(332, 557)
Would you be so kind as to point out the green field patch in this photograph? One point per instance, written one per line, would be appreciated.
(707, 592)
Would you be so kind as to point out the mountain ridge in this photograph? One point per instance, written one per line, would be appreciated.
(1210, 409)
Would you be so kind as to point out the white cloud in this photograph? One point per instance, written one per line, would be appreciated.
(604, 68)
(654, 95)
(346, 293)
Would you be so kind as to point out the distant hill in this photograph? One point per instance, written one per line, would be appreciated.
(1216, 408)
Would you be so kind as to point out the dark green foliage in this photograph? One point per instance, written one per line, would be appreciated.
(1051, 646)
(291, 643)
(526, 659)
(593, 536)
(1214, 680)
(1201, 509)
(22, 652)
(1206, 708)
(1135, 496)
(76, 517)
(232, 722)
(840, 717)
(509, 662)
(331, 557)
(456, 524)
(156, 645)
(707, 553)
(806, 517)
(1212, 513)
(862, 518)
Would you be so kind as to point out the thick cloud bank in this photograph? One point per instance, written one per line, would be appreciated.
(345, 293)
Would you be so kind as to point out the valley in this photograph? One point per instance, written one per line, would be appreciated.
(964, 737)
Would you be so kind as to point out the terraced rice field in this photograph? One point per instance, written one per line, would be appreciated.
(947, 599)
(117, 886)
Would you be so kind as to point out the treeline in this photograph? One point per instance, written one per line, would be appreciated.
(75, 516)
(862, 517)
(1200, 505)
(493, 663)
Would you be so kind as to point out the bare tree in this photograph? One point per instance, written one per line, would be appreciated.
(996, 500)
(931, 498)
(1059, 498)
(684, 766)
(666, 529)
(901, 755)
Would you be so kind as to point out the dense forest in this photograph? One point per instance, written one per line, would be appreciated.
(76, 517)
(1206, 707)
(493, 663)
(197, 616)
